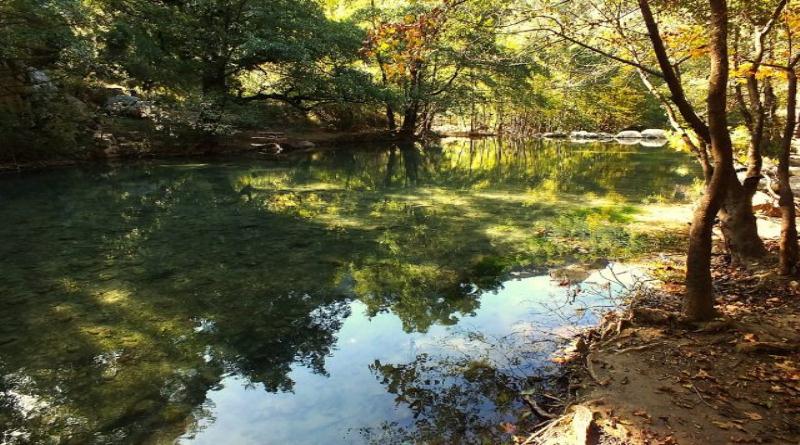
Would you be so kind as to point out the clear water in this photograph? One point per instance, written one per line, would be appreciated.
(378, 294)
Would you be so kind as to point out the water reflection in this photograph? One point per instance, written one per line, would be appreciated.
(136, 299)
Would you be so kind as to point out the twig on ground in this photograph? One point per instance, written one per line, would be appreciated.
(639, 348)
(701, 397)
(537, 409)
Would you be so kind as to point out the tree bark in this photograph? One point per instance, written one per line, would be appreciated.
(738, 222)
(788, 242)
(699, 299)
(757, 122)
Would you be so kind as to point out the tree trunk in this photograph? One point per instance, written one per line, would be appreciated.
(391, 122)
(699, 300)
(427, 126)
(788, 243)
(738, 223)
(409, 128)
(756, 121)
(411, 113)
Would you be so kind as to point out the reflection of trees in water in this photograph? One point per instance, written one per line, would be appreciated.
(465, 398)
(107, 342)
(558, 167)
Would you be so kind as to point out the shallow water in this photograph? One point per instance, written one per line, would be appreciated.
(370, 295)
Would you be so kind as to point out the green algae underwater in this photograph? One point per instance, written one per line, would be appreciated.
(355, 295)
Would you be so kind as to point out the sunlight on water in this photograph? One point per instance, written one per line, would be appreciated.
(362, 295)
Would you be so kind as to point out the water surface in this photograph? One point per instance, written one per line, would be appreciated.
(374, 295)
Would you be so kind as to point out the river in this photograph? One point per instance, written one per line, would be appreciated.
(372, 294)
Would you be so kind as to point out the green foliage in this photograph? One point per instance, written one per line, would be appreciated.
(49, 126)
(215, 67)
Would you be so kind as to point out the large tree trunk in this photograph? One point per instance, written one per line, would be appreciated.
(391, 121)
(738, 223)
(788, 243)
(699, 300)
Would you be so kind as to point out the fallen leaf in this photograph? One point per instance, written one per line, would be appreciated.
(509, 428)
(723, 425)
(753, 416)
(702, 374)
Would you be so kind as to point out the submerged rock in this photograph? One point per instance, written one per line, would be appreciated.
(572, 274)
(628, 141)
(8, 340)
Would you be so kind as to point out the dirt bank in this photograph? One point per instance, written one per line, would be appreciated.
(643, 377)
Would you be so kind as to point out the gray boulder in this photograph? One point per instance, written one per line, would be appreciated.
(653, 133)
(583, 135)
(630, 134)
(40, 81)
(128, 106)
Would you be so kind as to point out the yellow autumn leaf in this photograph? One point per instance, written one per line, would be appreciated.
(753, 416)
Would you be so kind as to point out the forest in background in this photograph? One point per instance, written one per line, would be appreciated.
(74, 71)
